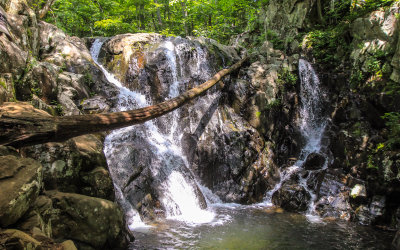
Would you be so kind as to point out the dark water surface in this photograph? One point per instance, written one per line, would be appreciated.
(261, 228)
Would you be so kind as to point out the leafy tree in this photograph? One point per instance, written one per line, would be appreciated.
(218, 19)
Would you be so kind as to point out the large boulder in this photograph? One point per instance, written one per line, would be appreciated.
(16, 239)
(333, 195)
(20, 183)
(96, 222)
(292, 197)
(125, 55)
(77, 165)
(67, 52)
(39, 216)
(314, 161)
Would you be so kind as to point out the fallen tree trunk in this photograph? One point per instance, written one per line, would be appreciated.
(20, 128)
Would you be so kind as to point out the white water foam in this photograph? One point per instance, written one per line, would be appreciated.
(180, 199)
(312, 125)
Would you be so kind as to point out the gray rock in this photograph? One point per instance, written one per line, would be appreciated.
(359, 192)
(20, 183)
(292, 198)
(93, 221)
(67, 166)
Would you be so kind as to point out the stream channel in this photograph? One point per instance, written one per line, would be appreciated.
(195, 217)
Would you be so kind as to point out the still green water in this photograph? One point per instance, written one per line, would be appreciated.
(243, 227)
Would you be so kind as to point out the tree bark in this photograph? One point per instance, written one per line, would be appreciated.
(160, 24)
(319, 10)
(185, 16)
(20, 129)
(45, 9)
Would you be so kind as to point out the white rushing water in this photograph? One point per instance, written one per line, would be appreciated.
(179, 197)
(312, 125)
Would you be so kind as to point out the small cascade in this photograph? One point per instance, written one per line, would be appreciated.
(312, 124)
(146, 148)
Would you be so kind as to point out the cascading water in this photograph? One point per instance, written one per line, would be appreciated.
(312, 125)
(151, 155)
(177, 191)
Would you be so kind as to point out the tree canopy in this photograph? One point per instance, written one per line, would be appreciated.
(219, 19)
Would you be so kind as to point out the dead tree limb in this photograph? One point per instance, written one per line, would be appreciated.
(24, 128)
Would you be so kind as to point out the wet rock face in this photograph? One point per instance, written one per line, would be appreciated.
(125, 56)
(292, 197)
(333, 196)
(20, 183)
(314, 161)
(226, 158)
(368, 214)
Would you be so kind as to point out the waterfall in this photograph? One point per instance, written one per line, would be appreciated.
(157, 154)
(312, 119)
(312, 123)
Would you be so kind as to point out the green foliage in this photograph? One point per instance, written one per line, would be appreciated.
(88, 79)
(276, 103)
(287, 78)
(219, 20)
(57, 107)
(374, 70)
(3, 84)
(393, 124)
(349, 10)
(370, 162)
(325, 44)
(275, 40)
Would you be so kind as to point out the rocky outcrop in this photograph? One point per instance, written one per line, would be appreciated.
(376, 32)
(230, 160)
(124, 55)
(20, 183)
(358, 134)
(16, 239)
(76, 166)
(92, 221)
(285, 19)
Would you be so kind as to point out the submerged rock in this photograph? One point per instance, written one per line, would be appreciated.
(292, 197)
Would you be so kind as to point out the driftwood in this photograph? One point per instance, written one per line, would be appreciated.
(20, 129)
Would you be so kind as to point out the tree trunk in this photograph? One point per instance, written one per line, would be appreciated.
(319, 9)
(160, 24)
(45, 9)
(185, 15)
(141, 17)
(20, 129)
